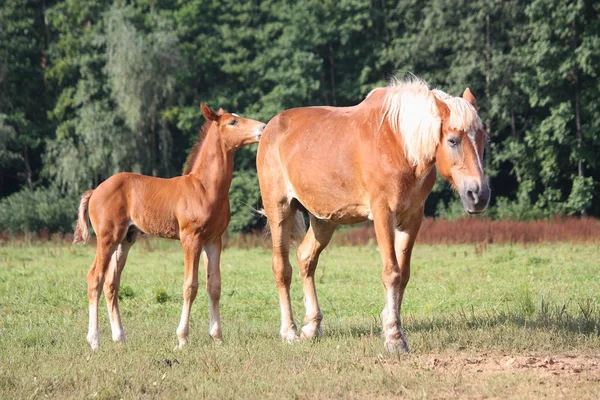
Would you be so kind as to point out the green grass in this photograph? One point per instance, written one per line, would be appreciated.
(461, 302)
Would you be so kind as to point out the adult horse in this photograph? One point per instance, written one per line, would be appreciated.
(193, 208)
(374, 161)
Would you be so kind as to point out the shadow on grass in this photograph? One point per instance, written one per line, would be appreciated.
(584, 319)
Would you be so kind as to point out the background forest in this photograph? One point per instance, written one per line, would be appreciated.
(89, 88)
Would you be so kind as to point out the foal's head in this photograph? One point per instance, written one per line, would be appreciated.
(233, 130)
(459, 154)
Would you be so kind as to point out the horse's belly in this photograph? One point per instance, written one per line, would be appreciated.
(155, 220)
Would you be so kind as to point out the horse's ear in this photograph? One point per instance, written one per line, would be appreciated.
(221, 111)
(443, 110)
(468, 96)
(208, 113)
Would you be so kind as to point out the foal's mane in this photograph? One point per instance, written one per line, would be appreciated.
(410, 109)
(195, 150)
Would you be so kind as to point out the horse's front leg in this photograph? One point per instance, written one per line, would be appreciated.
(212, 266)
(192, 247)
(395, 275)
(405, 236)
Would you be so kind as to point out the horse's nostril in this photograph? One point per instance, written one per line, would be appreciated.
(472, 196)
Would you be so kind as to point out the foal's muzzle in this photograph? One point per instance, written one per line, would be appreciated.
(259, 131)
(475, 196)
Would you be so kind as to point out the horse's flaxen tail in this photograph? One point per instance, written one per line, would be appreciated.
(82, 232)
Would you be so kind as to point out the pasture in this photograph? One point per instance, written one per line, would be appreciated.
(500, 321)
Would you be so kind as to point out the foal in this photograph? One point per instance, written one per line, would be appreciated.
(193, 208)
(374, 161)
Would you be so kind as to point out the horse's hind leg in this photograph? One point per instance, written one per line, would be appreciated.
(317, 238)
(212, 266)
(112, 283)
(281, 218)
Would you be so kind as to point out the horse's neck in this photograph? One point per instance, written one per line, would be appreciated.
(214, 165)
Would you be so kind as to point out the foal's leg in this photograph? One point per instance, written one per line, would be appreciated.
(316, 239)
(192, 247)
(212, 266)
(95, 280)
(280, 221)
(112, 283)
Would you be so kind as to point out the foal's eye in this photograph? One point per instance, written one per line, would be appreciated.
(453, 142)
(233, 122)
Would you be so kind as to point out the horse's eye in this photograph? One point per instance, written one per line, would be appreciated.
(453, 142)
(233, 122)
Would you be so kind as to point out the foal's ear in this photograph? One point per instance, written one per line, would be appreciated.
(220, 112)
(208, 113)
(443, 110)
(468, 96)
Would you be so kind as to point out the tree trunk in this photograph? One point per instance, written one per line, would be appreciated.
(580, 169)
(27, 167)
(332, 75)
(488, 70)
(153, 156)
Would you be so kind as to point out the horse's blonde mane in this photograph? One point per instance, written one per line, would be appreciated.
(410, 109)
(463, 116)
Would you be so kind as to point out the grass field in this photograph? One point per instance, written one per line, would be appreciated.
(498, 321)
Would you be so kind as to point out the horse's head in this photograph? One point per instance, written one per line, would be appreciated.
(459, 155)
(234, 131)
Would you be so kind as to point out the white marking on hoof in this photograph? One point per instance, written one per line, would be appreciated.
(290, 336)
(396, 346)
(310, 332)
(93, 339)
(119, 337)
(182, 343)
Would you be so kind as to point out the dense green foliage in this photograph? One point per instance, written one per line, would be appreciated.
(501, 303)
(89, 88)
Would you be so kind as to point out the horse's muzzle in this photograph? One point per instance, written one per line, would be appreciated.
(475, 196)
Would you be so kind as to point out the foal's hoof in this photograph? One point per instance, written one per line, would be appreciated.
(182, 343)
(94, 340)
(290, 337)
(217, 341)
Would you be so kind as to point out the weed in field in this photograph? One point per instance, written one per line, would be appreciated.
(126, 292)
(161, 296)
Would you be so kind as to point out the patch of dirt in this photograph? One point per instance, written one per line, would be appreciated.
(559, 365)
(503, 376)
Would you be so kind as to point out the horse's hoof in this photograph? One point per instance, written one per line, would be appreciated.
(310, 332)
(396, 346)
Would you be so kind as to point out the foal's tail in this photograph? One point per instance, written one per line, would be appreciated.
(82, 233)
(298, 227)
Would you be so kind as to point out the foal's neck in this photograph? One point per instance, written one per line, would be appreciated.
(214, 164)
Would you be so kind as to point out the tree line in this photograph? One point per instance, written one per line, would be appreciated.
(89, 88)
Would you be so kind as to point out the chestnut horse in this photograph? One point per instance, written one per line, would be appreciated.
(374, 161)
(193, 208)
